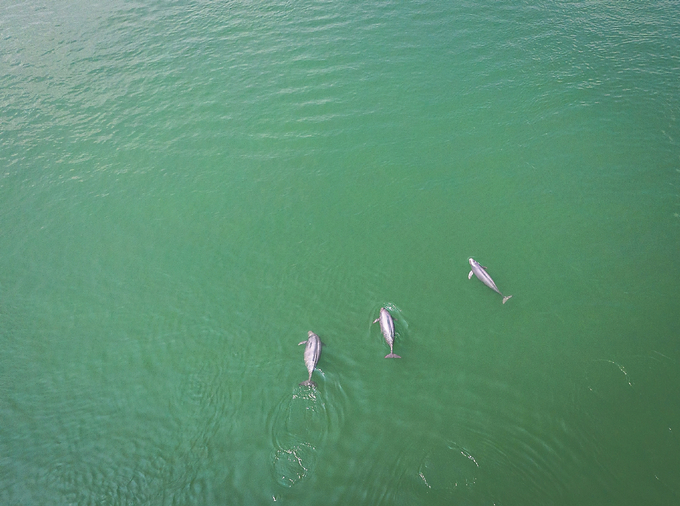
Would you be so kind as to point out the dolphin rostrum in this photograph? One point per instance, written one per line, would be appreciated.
(312, 352)
(387, 328)
(480, 271)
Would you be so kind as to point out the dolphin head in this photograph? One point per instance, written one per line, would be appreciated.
(471, 260)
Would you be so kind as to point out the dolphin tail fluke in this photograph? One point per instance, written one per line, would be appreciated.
(505, 298)
(308, 383)
(392, 355)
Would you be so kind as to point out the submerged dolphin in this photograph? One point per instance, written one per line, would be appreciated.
(480, 271)
(312, 353)
(387, 328)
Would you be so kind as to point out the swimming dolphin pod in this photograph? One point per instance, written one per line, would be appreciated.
(314, 344)
(480, 271)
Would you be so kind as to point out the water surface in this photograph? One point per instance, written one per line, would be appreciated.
(187, 188)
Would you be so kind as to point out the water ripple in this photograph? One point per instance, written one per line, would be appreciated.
(300, 425)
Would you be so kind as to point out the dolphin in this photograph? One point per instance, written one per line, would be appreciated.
(387, 328)
(312, 353)
(480, 271)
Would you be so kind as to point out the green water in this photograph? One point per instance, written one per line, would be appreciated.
(187, 188)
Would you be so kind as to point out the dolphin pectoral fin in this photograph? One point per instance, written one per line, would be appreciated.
(505, 298)
(303, 342)
(470, 275)
(376, 320)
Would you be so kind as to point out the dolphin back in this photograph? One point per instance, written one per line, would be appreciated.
(312, 350)
(480, 271)
(386, 325)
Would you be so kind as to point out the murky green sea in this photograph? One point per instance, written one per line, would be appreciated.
(188, 187)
